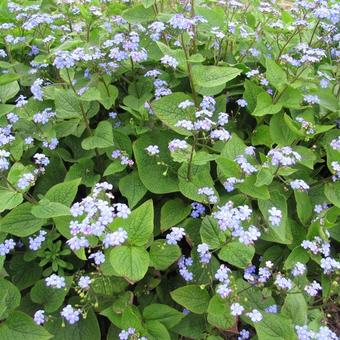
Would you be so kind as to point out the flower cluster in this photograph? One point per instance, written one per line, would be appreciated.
(305, 125)
(36, 242)
(124, 159)
(234, 219)
(177, 144)
(203, 119)
(317, 246)
(152, 150)
(183, 264)
(275, 216)
(313, 288)
(84, 282)
(299, 184)
(70, 314)
(6, 247)
(298, 269)
(222, 275)
(209, 194)
(263, 275)
(44, 116)
(230, 182)
(203, 252)
(175, 235)
(130, 333)
(283, 156)
(95, 213)
(283, 282)
(198, 209)
(304, 333)
(55, 281)
(39, 317)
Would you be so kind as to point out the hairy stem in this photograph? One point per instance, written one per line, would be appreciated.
(189, 67)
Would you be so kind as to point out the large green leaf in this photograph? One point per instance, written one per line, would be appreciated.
(192, 326)
(63, 192)
(275, 327)
(130, 262)
(50, 298)
(173, 212)
(264, 177)
(214, 16)
(102, 138)
(290, 98)
(21, 326)
(192, 297)
(83, 169)
(332, 192)
(211, 234)
(9, 298)
(21, 222)
(265, 106)
(295, 307)
(199, 177)
(219, 313)
(228, 168)
(8, 78)
(249, 188)
(67, 104)
(157, 330)
(108, 95)
(162, 255)
(282, 232)
(212, 76)
(167, 110)
(9, 199)
(132, 188)
(298, 254)
(233, 147)
(23, 274)
(275, 74)
(138, 14)
(237, 254)
(165, 314)
(304, 206)
(85, 328)
(46, 209)
(156, 177)
(251, 91)
(279, 131)
(139, 224)
(8, 91)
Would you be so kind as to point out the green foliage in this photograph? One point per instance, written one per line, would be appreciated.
(157, 179)
(50, 298)
(219, 313)
(169, 113)
(87, 328)
(192, 297)
(10, 298)
(163, 255)
(275, 327)
(162, 162)
(130, 262)
(21, 222)
(173, 212)
(20, 325)
(237, 254)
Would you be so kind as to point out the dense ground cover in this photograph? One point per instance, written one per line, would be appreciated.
(169, 170)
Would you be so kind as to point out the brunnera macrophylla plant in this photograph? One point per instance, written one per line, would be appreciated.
(169, 169)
